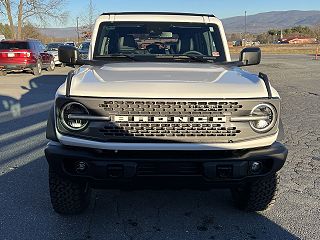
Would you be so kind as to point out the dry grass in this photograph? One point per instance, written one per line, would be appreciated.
(283, 49)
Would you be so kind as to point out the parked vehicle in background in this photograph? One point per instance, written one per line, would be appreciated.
(70, 44)
(84, 49)
(52, 48)
(29, 55)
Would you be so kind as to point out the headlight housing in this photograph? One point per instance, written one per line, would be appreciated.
(68, 120)
(268, 117)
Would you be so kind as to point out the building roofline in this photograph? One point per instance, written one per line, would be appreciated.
(158, 13)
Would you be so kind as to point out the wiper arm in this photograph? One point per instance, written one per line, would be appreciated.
(197, 58)
(132, 57)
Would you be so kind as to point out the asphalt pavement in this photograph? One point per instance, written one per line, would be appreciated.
(26, 213)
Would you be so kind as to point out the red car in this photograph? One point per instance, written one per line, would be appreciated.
(24, 55)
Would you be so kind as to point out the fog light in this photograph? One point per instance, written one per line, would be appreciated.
(256, 167)
(81, 167)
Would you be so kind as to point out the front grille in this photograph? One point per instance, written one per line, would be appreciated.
(166, 120)
(173, 108)
(168, 130)
(169, 109)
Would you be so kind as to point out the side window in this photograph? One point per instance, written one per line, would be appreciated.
(31, 44)
(40, 47)
(43, 47)
(35, 47)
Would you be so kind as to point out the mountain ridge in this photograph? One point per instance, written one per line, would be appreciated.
(262, 22)
(256, 23)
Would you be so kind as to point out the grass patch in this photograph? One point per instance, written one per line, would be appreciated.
(283, 49)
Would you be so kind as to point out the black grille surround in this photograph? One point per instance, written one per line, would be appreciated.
(167, 120)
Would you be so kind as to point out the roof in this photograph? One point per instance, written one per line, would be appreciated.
(158, 13)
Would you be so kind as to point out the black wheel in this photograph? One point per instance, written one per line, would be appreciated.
(52, 66)
(37, 69)
(68, 197)
(258, 195)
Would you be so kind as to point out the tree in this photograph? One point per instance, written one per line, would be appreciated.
(264, 38)
(7, 9)
(5, 30)
(29, 31)
(87, 20)
(316, 32)
(28, 10)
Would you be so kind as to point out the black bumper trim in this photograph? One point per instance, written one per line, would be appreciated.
(214, 166)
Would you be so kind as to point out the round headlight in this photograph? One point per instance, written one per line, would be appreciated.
(69, 114)
(266, 118)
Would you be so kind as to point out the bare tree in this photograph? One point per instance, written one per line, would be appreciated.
(7, 8)
(27, 10)
(316, 31)
(87, 20)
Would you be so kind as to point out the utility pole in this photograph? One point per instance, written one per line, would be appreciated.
(245, 26)
(78, 33)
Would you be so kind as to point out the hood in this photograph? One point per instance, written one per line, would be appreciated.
(166, 80)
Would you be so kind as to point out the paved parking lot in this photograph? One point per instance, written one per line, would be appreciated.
(25, 211)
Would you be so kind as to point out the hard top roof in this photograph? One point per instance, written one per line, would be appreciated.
(158, 13)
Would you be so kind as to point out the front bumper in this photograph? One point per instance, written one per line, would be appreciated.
(211, 167)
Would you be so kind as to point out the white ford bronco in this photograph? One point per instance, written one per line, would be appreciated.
(157, 104)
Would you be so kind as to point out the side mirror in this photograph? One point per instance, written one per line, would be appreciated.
(68, 54)
(250, 56)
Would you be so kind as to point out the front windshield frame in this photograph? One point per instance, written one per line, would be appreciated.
(214, 42)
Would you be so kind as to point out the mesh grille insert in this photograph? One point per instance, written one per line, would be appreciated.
(170, 109)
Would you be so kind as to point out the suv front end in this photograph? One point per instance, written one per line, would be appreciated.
(147, 122)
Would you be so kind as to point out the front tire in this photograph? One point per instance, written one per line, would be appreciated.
(258, 195)
(52, 66)
(37, 69)
(67, 196)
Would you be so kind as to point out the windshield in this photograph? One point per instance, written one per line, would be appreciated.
(14, 45)
(84, 46)
(156, 40)
(53, 46)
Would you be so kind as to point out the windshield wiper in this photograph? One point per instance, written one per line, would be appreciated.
(128, 56)
(198, 58)
(204, 59)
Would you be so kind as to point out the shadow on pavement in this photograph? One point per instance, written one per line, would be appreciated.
(33, 106)
(25, 207)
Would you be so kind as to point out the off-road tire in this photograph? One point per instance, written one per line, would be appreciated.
(37, 69)
(258, 195)
(68, 197)
(52, 66)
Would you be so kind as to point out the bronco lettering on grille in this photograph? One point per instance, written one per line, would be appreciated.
(170, 119)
